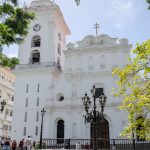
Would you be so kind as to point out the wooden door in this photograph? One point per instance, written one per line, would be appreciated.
(60, 131)
(102, 133)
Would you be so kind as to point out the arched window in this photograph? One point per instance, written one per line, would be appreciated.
(58, 63)
(140, 133)
(90, 63)
(98, 92)
(102, 62)
(74, 130)
(60, 131)
(25, 117)
(35, 56)
(37, 116)
(36, 41)
(99, 89)
(59, 36)
(59, 49)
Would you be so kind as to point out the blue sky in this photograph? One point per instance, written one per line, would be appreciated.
(118, 18)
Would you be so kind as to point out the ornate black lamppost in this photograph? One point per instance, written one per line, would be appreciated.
(92, 115)
(3, 103)
(41, 133)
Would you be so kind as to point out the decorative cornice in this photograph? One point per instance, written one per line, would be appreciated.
(97, 40)
(98, 49)
(102, 43)
(80, 108)
(41, 3)
(71, 76)
(38, 68)
(40, 9)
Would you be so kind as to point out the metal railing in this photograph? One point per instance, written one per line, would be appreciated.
(39, 65)
(102, 144)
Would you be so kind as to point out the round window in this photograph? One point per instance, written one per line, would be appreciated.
(60, 97)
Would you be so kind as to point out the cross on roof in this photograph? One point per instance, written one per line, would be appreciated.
(96, 26)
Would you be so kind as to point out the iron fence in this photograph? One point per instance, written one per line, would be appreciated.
(102, 144)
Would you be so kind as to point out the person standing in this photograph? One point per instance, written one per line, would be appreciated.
(6, 145)
(21, 144)
(14, 145)
(28, 144)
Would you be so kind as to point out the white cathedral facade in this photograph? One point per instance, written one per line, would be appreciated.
(55, 76)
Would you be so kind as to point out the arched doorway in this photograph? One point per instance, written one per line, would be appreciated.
(102, 133)
(60, 131)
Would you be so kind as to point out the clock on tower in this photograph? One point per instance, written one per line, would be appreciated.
(36, 27)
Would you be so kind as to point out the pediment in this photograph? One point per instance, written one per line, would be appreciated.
(96, 40)
(102, 41)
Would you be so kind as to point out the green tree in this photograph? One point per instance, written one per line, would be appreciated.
(134, 86)
(14, 23)
(8, 62)
(148, 1)
(77, 2)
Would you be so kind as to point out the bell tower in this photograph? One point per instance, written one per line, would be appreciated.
(41, 63)
(46, 37)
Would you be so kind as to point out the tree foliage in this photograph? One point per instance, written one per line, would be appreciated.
(77, 2)
(134, 86)
(148, 1)
(14, 23)
(8, 62)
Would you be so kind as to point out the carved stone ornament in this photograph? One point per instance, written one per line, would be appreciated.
(70, 45)
(91, 40)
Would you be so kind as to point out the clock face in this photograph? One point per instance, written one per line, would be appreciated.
(36, 27)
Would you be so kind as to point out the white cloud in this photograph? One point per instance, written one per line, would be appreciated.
(11, 51)
(12, 55)
(122, 12)
(117, 25)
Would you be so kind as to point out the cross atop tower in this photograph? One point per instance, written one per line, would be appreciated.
(96, 27)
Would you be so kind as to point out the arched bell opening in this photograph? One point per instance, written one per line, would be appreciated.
(36, 41)
(35, 56)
